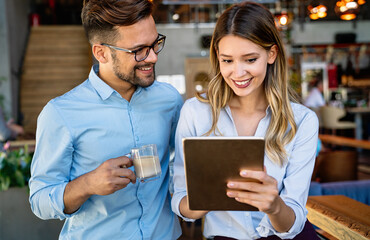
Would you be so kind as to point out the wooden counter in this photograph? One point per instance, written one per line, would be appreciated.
(340, 216)
(344, 141)
(17, 144)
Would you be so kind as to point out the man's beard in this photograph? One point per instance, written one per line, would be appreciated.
(131, 77)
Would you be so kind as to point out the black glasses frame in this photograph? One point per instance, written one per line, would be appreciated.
(159, 39)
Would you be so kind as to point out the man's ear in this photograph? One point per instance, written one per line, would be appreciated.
(101, 53)
(272, 54)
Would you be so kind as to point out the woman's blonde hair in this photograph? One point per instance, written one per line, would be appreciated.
(254, 22)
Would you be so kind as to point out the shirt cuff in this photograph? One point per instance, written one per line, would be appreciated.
(56, 197)
(265, 228)
(175, 205)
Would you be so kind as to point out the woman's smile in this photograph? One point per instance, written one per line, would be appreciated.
(242, 83)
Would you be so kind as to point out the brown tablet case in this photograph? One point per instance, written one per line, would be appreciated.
(210, 162)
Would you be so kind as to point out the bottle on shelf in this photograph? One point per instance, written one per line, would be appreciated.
(347, 77)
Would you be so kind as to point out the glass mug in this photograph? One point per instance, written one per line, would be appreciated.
(146, 162)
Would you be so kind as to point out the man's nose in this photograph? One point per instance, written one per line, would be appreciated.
(152, 57)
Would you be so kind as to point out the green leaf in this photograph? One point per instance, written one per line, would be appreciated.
(19, 178)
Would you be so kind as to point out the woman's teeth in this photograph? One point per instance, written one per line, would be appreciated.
(243, 82)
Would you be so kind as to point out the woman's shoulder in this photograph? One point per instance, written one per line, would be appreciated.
(195, 103)
(195, 108)
(302, 113)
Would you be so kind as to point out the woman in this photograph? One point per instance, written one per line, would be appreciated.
(249, 96)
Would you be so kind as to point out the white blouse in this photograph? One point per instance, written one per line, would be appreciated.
(293, 178)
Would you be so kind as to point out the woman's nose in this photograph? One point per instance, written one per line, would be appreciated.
(239, 70)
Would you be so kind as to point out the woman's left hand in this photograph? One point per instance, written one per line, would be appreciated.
(263, 194)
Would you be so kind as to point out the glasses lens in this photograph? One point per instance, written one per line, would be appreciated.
(158, 46)
(142, 54)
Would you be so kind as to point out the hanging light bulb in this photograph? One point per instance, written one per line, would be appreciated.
(316, 11)
(283, 19)
(348, 9)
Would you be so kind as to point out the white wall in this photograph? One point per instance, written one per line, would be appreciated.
(324, 32)
(183, 40)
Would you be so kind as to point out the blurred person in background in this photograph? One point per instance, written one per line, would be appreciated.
(9, 130)
(315, 98)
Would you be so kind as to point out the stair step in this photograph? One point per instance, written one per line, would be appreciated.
(57, 59)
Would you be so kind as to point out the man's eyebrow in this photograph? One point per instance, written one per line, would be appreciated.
(143, 45)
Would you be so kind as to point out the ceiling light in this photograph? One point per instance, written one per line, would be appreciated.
(282, 20)
(316, 11)
(348, 9)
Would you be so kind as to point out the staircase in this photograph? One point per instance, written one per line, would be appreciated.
(57, 59)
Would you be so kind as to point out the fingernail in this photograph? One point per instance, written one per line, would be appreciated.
(243, 173)
(231, 185)
(230, 194)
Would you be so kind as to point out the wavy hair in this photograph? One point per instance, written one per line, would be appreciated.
(252, 21)
(101, 17)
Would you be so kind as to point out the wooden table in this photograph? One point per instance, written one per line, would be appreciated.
(344, 141)
(340, 216)
(13, 145)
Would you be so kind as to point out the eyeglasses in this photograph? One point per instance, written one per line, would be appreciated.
(142, 53)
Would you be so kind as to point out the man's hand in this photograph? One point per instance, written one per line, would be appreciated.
(110, 176)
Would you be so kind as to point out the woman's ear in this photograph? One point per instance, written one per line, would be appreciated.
(100, 53)
(272, 54)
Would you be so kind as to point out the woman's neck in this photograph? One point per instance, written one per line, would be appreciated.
(249, 104)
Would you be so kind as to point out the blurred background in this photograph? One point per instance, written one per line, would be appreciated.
(44, 52)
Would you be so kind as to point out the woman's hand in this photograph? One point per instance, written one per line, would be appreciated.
(262, 194)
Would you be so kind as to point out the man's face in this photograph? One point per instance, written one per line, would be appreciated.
(124, 65)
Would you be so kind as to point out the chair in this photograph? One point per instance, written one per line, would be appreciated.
(330, 119)
(334, 166)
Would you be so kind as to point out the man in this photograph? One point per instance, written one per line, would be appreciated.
(8, 129)
(315, 98)
(79, 171)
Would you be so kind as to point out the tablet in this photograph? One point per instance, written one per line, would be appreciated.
(210, 162)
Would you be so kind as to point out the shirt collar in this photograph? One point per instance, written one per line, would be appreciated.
(103, 89)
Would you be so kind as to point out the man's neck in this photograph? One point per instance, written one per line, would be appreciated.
(125, 89)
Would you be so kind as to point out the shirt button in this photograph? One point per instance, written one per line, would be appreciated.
(247, 214)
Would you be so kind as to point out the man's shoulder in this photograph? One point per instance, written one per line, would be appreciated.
(75, 93)
(165, 87)
(166, 91)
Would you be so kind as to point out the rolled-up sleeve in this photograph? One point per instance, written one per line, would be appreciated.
(50, 168)
(184, 129)
(298, 177)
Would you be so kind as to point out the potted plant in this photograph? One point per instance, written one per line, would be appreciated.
(14, 167)
(15, 210)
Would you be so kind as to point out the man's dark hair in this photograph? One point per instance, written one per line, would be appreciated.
(101, 18)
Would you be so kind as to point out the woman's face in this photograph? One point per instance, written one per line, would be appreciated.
(243, 64)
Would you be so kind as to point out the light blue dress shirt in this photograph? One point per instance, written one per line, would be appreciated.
(88, 125)
(293, 178)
